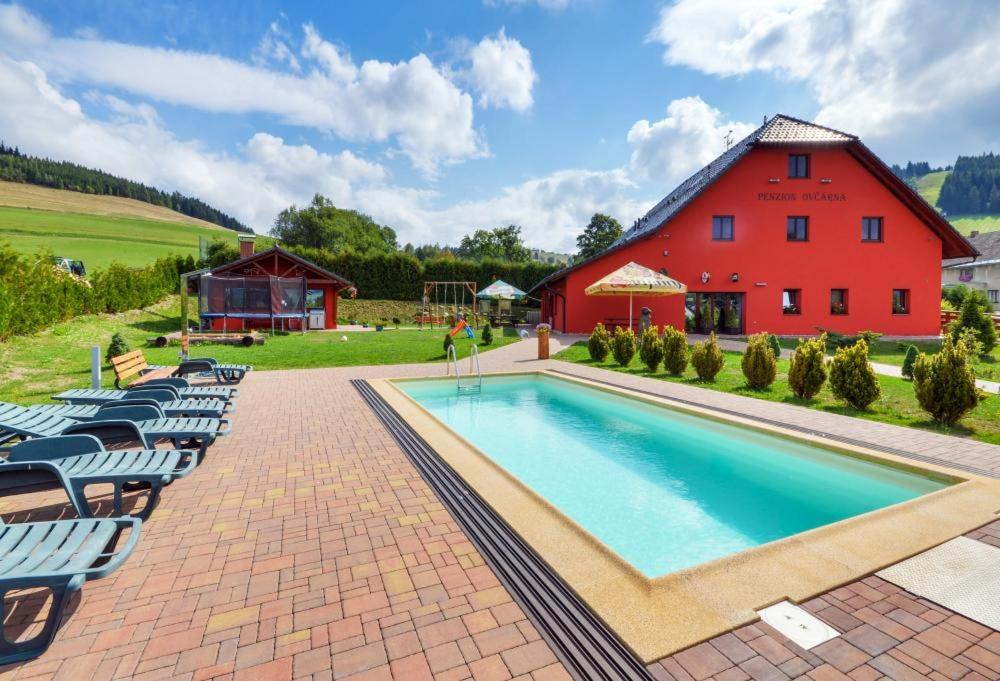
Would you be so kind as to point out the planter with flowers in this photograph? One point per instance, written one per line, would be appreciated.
(543, 340)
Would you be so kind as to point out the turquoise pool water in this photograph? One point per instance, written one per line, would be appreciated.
(664, 489)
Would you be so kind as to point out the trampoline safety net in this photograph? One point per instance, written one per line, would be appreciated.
(260, 297)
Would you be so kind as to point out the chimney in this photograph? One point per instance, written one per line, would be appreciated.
(974, 233)
(246, 244)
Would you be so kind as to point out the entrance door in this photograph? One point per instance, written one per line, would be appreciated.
(719, 312)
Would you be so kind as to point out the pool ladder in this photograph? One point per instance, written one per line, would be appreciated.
(473, 388)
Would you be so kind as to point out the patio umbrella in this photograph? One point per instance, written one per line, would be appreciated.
(501, 290)
(634, 279)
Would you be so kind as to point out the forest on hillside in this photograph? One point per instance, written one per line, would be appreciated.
(973, 186)
(914, 170)
(16, 166)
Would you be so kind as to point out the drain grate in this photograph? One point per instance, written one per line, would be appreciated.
(587, 648)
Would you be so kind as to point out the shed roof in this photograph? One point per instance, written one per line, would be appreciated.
(316, 270)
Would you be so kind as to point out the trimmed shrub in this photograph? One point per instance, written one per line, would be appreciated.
(599, 344)
(852, 378)
(651, 349)
(772, 340)
(117, 347)
(759, 364)
(675, 351)
(448, 342)
(908, 360)
(487, 335)
(945, 384)
(807, 371)
(836, 340)
(707, 359)
(623, 346)
(973, 315)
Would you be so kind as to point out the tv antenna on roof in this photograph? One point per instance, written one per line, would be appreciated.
(729, 139)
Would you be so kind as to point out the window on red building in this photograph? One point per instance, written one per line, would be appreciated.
(901, 301)
(798, 228)
(838, 301)
(791, 301)
(722, 228)
(871, 229)
(798, 165)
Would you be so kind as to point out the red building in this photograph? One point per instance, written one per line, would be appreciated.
(273, 286)
(795, 228)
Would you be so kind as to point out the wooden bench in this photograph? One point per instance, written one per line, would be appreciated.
(134, 363)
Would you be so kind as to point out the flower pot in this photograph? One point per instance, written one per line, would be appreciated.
(543, 345)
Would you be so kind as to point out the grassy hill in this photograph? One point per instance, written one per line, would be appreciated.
(97, 229)
(929, 187)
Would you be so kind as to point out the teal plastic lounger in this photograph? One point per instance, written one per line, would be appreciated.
(114, 425)
(163, 398)
(60, 555)
(80, 460)
(184, 392)
(206, 366)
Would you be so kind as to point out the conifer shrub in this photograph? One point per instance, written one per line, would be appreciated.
(623, 346)
(448, 342)
(908, 360)
(651, 348)
(707, 359)
(775, 345)
(852, 378)
(807, 371)
(487, 335)
(759, 364)
(675, 351)
(117, 347)
(974, 315)
(945, 384)
(599, 344)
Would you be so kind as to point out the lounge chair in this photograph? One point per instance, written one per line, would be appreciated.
(77, 461)
(181, 385)
(114, 425)
(206, 366)
(165, 399)
(60, 555)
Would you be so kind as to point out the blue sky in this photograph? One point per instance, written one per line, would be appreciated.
(438, 118)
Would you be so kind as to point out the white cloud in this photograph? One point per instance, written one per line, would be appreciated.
(411, 103)
(919, 79)
(502, 72)
(692, 134)
(552, 210)
(269, 174)
(273, 47)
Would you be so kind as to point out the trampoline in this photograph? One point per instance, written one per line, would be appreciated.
(260, 298)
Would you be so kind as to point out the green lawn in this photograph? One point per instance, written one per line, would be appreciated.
(929, 187)
(33, 368)
(897, 404)
(98, 240)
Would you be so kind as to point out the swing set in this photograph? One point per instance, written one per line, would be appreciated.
(444, 301)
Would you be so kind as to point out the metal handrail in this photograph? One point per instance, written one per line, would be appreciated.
(453, 359)
(474, 355)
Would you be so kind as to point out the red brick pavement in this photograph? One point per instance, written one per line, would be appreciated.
(306, 546)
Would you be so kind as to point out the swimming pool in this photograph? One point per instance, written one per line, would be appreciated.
(664, 489)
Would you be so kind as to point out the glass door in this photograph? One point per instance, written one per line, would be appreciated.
(718, 312)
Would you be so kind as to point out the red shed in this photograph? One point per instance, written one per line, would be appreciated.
(278, 278)
(794, 228)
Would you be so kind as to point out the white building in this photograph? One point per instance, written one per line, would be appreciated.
(981, 273)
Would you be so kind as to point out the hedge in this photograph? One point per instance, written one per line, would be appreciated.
(400, 276)
(35, 294)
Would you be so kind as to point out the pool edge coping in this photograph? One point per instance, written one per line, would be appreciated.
(724, 593)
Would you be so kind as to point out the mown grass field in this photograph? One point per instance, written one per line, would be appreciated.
(33, 368)
(99, 240)
(929, 187)
(897, 405)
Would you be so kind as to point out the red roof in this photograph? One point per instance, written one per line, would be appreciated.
(297, 267)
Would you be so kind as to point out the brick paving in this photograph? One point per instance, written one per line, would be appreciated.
(306, 546)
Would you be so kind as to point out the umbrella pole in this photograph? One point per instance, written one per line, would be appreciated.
(630, 310)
